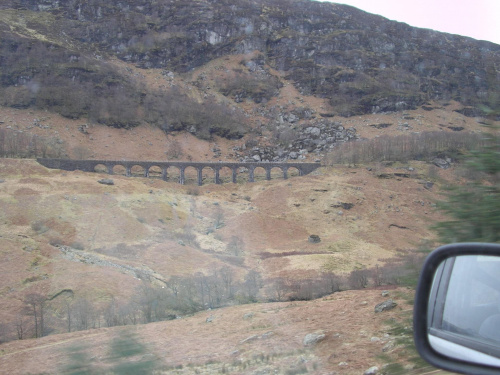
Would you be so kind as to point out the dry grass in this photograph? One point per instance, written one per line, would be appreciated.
(242, 339)
(140, 222)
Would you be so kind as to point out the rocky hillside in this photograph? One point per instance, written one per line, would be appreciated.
(60, 56)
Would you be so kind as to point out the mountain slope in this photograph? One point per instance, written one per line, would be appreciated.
(219, 80)
(109, 238)
(357, 62)
(68, 237)
(265, 338)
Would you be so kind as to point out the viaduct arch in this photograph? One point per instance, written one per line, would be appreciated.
(89, 166)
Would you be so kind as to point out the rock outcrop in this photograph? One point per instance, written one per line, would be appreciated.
(385, 306)
(359, 62)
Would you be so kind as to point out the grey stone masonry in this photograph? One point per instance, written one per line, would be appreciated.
(90, 166)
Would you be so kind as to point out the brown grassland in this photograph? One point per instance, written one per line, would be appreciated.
(366, 215)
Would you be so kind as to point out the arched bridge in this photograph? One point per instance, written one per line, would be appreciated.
(90, 166)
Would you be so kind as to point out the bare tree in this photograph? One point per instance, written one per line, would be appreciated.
(35, 306)
(187, 301)
(333, 282)
(21, 326)
(305, 290)
(278, 289)
(236, 246)
(69, 314)
(174, 284)
(4, 333)
(129, 314)
(84, 314)
(145, 299)
(377, 277)
(226, 274)
(218, 217)
(358, 279)
(174, 150)
(111, 313)
(252, 285)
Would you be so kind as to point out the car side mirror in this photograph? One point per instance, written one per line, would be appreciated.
(456, 318)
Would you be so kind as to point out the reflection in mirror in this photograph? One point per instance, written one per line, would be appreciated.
(464, 309)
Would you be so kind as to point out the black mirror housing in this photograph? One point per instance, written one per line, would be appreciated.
(422, 307)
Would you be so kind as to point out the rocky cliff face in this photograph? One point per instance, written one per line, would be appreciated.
(360, 62)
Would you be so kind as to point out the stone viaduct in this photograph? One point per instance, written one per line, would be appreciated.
(90, 166)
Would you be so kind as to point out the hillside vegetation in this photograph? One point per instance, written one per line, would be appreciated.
(144, 250)
(59, 56)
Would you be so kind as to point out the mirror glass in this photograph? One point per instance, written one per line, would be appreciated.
(464, 309)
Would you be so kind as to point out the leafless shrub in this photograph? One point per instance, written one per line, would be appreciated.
(278, 289)
(358, 279)
(187, 236)
(85, 315)
(286, 136)
(252, 284)
(25, 145)
(116, 108)
(251, 142)
(241, 85)
(286, 288)
(218, 217)
(193, 190)
(77, 245)
(236, 246)
(174, 150)
(39, 227)
(81, 153)
(55, 241)
(4, 333)
(35, 306)
(175, 111)
(22, 327)
(403, 148)
(331, 282)
(16, 97)
(217, 287)
(304, 290)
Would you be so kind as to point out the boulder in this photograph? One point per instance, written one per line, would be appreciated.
(389, 346)
(441, 163)
(106, 181)
(313, 338)
(267, 335)
(250, 338)
(314, 131)
(314, 238)
(428, 185)
(248, 315)
(385, 306)
(371, 371)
